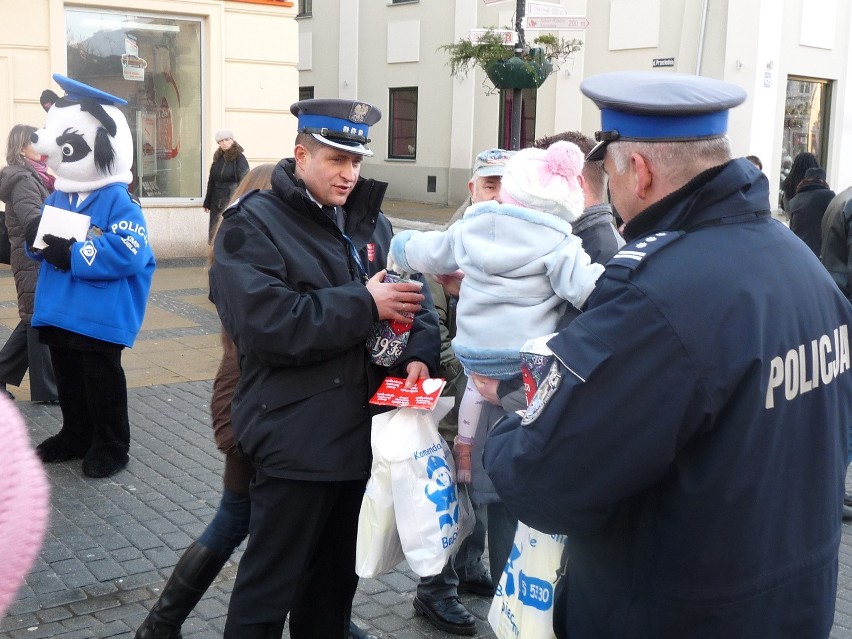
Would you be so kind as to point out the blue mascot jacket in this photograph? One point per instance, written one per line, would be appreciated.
(105, 293)
(691, 437)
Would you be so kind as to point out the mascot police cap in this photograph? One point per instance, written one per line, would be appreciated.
(342, 124)
(77, 91)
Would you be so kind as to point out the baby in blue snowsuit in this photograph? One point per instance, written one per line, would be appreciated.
(522, 264)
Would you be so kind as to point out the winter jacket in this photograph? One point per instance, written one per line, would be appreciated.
(601, 241)
(23, 192)
(289, 291)
(836, 251)
(806, 209)
(520, 266)
(105, 293)
(690, 438)
(227, 170)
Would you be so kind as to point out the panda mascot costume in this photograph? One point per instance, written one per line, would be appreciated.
(92, 290)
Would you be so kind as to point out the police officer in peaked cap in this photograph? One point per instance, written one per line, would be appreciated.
(298, 283)
(690, 437)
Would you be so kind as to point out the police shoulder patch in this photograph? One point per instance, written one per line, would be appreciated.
(234, 206)
(543, 395)
(633, 254)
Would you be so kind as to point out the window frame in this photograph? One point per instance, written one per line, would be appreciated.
(123, 14)
(802, 119)
(393, 137)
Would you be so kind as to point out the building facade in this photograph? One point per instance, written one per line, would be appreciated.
(791, 56)
(186, 67)
(191, 67)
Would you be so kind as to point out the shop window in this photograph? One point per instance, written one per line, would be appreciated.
(806, 118)
(402, 138)
(155, 64)
(306, 93)
(528, 102)
(306, 8)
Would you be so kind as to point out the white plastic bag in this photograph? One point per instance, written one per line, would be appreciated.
(522, 607)
(378, 547)
(432, 516)
(398, 520)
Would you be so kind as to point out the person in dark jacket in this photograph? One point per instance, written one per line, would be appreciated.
(228, 169)
(808, 206)
(298, 283)
(24, 186)
(801, 163)
(204, 558)
(596, 230)
(672, 440)
(836, 253)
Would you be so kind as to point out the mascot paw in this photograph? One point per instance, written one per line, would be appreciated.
(58, 251)
(100, 462)
(58, 449)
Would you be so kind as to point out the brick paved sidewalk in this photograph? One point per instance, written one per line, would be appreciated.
(112, 543)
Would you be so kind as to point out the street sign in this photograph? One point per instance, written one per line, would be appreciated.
(556, 23)
(507, 35)
(545, 9)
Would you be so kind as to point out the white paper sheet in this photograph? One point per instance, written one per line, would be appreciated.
(61, 223)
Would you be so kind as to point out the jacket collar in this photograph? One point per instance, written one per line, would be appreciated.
(738, 184)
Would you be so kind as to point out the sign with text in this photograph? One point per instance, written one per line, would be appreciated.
(556, 23)
(663, 62)
(507, 35)
(545, 9)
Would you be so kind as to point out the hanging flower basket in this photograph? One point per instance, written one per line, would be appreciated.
(518, 73)
(504, 68)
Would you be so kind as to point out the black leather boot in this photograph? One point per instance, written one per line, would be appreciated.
(192, 576)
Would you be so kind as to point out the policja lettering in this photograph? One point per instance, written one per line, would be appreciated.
(792, 370)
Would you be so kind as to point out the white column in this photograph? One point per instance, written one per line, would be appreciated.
(348, 51)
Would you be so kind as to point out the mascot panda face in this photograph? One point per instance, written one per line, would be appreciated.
(87, 145)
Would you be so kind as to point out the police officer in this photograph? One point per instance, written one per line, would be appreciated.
(690, 435)
(297, 281)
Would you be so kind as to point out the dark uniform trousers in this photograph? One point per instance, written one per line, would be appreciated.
(300, 558)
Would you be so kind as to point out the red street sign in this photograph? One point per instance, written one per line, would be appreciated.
(556, 23)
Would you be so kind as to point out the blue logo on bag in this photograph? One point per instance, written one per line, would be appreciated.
(441, 491)
(536, 593)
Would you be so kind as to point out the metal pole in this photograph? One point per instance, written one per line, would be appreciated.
(517, 94)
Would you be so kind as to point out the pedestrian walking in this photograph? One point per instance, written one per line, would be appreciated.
(25, 184)
(228, 169)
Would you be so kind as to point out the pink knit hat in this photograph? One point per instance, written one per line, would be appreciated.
(24, 503)
(546, 180)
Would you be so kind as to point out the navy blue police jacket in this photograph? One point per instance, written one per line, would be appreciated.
(690, 439)
(290, 293)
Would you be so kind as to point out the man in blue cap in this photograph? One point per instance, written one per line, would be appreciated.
(297, 281)
(690, 436)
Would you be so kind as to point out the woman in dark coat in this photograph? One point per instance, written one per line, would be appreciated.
(228, 169)
(801, 163)
(808, 206)
(24, 185)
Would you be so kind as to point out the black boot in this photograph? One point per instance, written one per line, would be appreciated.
(192, 576)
